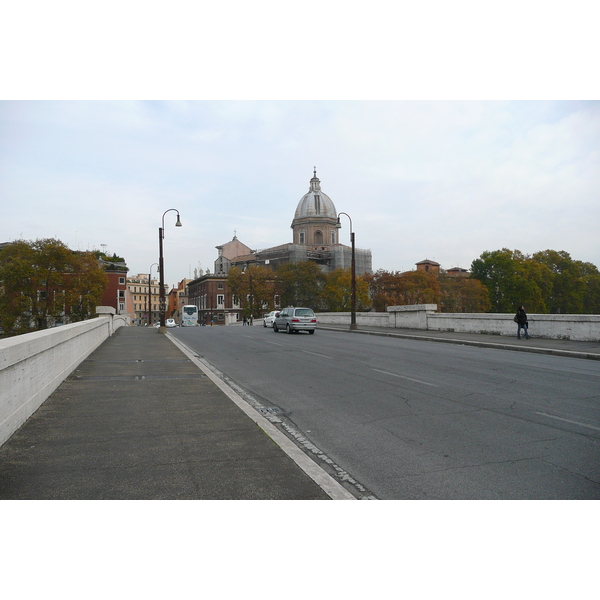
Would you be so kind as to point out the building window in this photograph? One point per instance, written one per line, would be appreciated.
(220, 286)
(301, 237)
(333, 237)
(121, 280)
(220, 299)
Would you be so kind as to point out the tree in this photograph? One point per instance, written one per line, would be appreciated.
(337, 292)
(300, 284)
(84, 287)
(253, 288)
(395, 288)
(16, 273)
(569, 281)
(43, 281)
(384, 288)
(462, 294)
(512, 279)
(548, 281)
(420, 287)
(591, 297)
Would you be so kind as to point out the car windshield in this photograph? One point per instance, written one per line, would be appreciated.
(305, 312)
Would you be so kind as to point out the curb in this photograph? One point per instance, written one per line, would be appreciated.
(328, 484)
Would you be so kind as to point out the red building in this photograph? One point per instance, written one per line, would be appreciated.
(115, 294)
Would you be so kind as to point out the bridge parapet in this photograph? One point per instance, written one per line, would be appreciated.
(33, 365)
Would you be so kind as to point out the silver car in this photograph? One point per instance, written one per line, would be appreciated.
(268, 319)
(295, 318)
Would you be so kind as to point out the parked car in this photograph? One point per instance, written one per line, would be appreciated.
(268, 319)
(170, 323)
(295, 318)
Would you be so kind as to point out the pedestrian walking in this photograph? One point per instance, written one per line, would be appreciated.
(245, 322)
(522, 323)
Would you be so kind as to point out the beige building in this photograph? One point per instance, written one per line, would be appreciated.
(144, 298)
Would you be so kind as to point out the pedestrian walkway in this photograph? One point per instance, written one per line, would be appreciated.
(139, 420)
(567, 348)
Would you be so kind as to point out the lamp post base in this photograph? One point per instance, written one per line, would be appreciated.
(353, 326)
(162, 329)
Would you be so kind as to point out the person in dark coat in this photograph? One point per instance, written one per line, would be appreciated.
(522, 323)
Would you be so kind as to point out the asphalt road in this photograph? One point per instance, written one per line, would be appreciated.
(407, 419)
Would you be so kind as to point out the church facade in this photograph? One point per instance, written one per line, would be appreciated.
(315, 237)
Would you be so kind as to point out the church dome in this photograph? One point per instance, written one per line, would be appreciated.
(315, 203)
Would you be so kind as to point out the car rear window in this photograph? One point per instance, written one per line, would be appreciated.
(305, 312)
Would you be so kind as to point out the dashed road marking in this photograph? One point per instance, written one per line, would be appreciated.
(317, 354)
(403, 377)
(568, 421)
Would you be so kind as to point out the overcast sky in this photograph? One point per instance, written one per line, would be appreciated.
(391, 106)
(444, 180)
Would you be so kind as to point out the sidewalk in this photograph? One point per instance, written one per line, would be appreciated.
(567, 348)
(139, 420)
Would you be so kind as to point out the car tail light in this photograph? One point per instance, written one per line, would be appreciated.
(314, 321)
(295, 320)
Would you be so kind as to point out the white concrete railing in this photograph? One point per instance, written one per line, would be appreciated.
(33, 365)
(584, 328)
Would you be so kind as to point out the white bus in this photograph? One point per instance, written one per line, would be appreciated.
(189, 316)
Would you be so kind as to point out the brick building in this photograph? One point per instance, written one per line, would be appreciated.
(215, 304)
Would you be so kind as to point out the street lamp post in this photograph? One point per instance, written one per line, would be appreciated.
(353, 312)
(149, 313)
(162, 302)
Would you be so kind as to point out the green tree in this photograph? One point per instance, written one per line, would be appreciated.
(591, 297)
(44, 280)
(337, 292)
(83, 286)
(16, 274)
(569, 281)
(512, 279)
(300, 284)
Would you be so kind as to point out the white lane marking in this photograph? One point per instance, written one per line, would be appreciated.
(321, 355)
(274, 343)
(403, 377)
(567, 421)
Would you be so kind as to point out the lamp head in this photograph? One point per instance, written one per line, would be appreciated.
(178, 224)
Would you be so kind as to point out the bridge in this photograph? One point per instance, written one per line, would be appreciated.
(97, 410)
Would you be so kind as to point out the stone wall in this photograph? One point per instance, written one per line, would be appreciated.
(585, 328)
